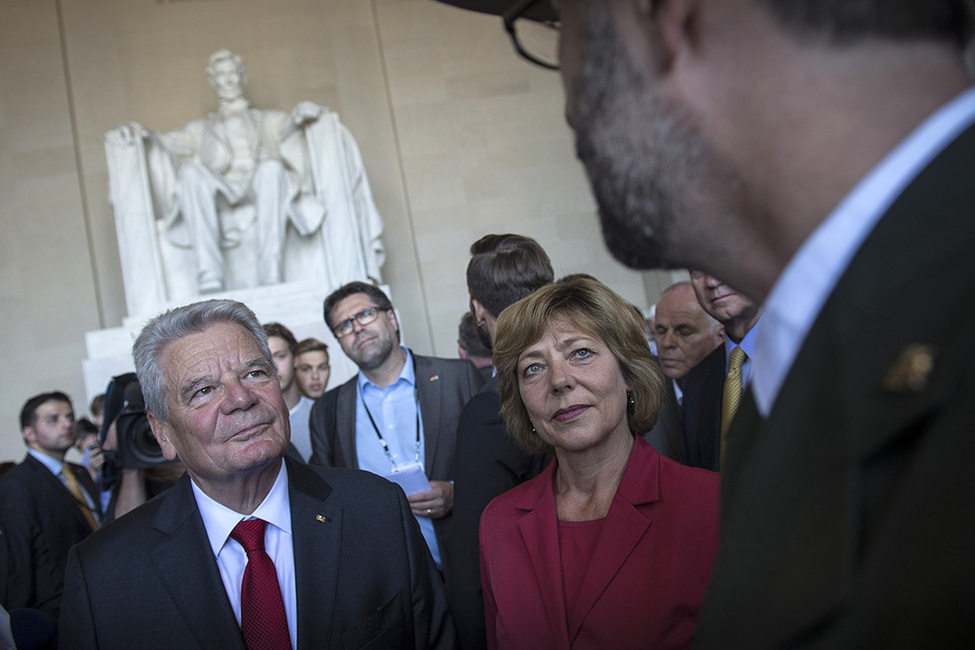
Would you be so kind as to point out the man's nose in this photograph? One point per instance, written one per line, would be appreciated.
(237, 396)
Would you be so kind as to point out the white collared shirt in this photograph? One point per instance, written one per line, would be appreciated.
(219, 522)
(811, 275)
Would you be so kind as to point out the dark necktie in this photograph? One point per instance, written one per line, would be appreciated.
(262, 618)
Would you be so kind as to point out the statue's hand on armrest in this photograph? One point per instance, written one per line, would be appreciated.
(305, 112)
(126, 135)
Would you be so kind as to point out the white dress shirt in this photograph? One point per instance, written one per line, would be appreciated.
(219, 522)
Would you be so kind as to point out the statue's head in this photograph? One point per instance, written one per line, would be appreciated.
(226, 73)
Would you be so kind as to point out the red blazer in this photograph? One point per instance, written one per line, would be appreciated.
(649, 572)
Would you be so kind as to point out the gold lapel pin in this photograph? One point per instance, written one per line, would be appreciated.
(912, 369)
(321, 519)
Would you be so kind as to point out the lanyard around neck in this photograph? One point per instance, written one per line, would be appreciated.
(382, 441)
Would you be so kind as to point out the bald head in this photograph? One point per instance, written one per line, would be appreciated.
(684, 332)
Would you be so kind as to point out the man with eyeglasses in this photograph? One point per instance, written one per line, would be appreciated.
(818, 157)
(398, 416)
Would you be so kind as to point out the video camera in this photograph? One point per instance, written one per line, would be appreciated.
(136, 446)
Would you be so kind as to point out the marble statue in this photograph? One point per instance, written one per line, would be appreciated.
(240, 198)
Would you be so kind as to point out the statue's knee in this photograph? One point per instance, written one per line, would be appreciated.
(193, 173)
(270, 170)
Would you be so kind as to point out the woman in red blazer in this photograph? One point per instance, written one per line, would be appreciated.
(612, 545)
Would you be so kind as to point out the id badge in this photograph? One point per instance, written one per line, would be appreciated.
(410, 477)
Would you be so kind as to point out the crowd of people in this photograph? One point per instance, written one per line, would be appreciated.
(807, 163)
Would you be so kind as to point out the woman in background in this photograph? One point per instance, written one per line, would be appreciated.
(612, 545)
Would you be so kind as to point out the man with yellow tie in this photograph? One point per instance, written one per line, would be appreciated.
(713, 388)
(56, 496)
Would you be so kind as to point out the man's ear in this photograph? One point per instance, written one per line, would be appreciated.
(30, 436)
(162, 431)
(479, 312)
(392, 318)
(719, 333)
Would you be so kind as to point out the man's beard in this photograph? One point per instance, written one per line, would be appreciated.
(372, 359)
(644, 158)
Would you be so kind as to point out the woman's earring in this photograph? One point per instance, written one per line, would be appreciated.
(629, 398)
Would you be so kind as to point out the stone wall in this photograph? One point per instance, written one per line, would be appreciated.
(459, 136)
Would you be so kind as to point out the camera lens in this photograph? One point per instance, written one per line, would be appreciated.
(144, 447)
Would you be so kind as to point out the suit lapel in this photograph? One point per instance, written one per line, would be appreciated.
(539, 532)
(69, 504)
(429, 387)
(196, 588)
(316, 527)
(345, 420)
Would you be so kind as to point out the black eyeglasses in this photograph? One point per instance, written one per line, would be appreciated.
(364, 317)
(545, 34)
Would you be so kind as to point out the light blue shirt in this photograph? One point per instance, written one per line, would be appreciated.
(747, 346)
(396, 412)
(275, 509)
(811, 275)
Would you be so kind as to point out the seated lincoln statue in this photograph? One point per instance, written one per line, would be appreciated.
(240, 198)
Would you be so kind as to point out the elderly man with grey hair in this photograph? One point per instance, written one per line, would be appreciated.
(248, 548)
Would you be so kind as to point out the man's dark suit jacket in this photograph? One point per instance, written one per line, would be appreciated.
(28, 577)
(31, 489)
(489, 463)
(703, 394)
(444, 386)
(848, 515)
(364, 576)
(667, 434)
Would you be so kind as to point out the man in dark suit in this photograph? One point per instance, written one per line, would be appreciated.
(40, 487)
(816, 156)
(28, 577)
(685, 335)
(710, 404)
(398, 416)
(502, 270)
(350, 564)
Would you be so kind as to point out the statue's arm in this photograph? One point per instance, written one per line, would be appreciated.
(303, 113)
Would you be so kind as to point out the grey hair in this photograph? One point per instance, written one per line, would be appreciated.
(711, 321)
(173, 325)
(224, 54)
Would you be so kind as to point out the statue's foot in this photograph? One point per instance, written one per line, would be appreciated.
(210, 283)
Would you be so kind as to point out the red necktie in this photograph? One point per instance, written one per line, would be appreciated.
(262, 617)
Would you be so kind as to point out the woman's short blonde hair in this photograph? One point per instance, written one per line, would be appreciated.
(595, 309)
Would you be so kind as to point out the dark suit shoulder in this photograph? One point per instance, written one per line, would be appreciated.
(350, 485)
(710, 368)
(452, 367)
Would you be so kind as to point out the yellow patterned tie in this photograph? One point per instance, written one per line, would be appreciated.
(731, 397)
(79, 496)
